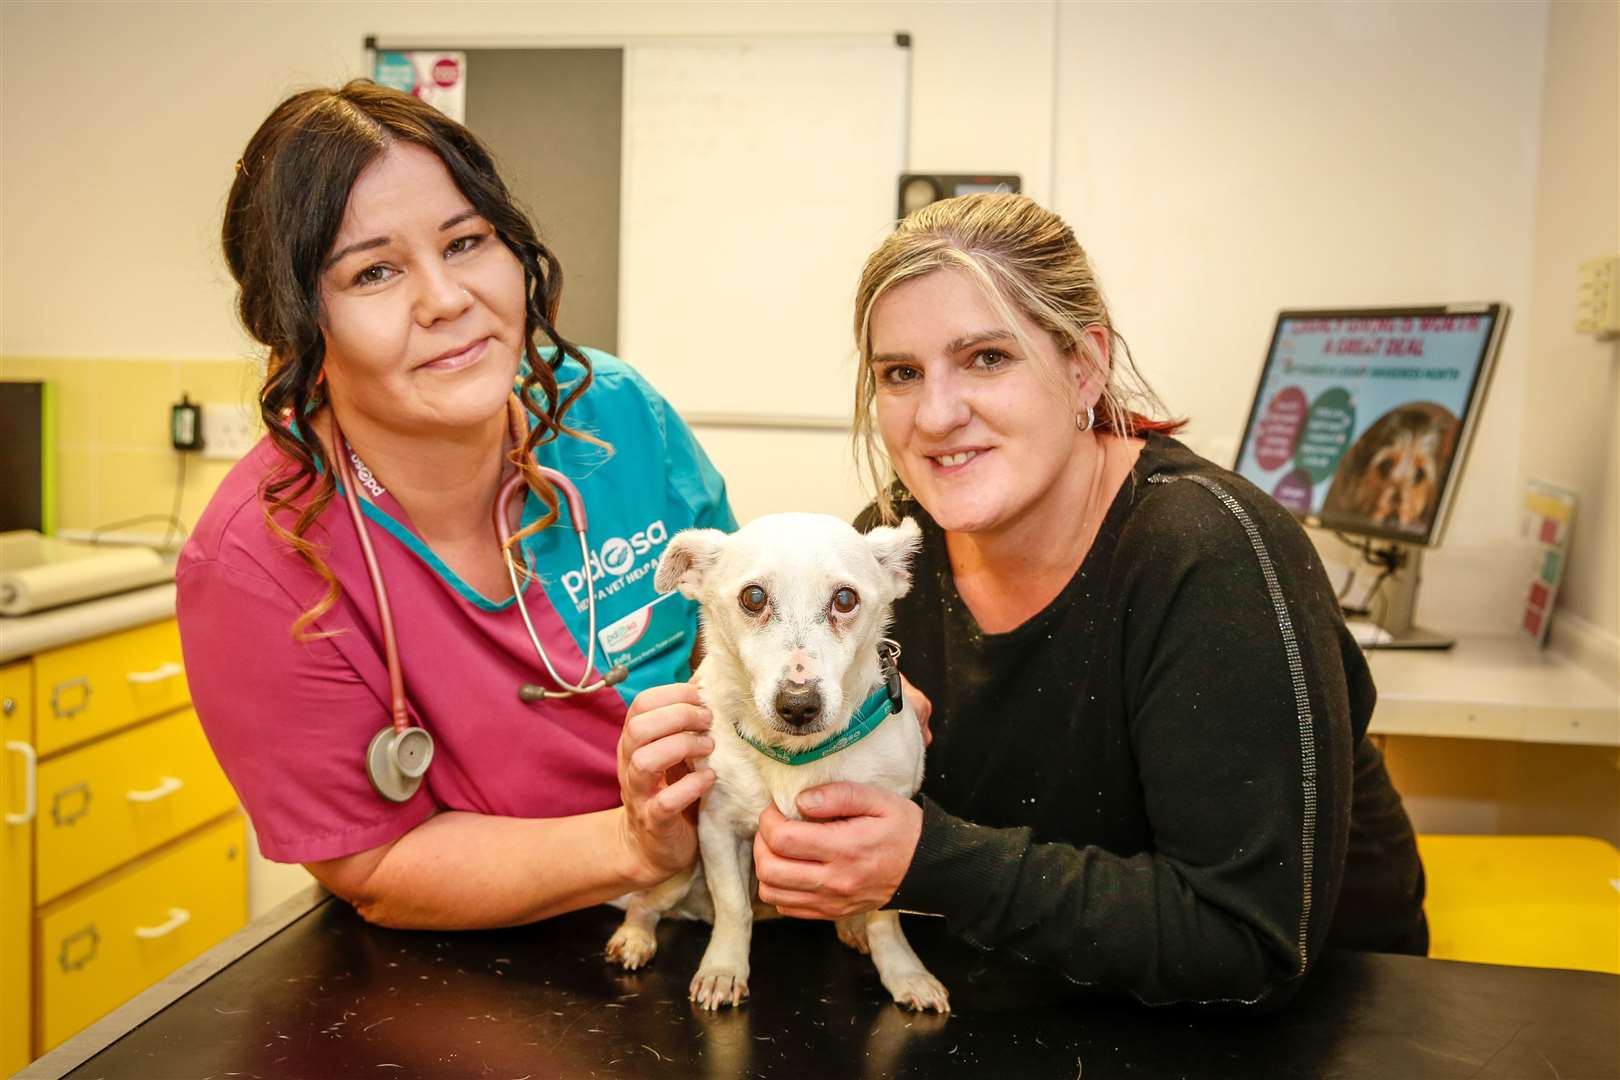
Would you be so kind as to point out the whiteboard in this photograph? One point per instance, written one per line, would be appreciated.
(757, 177)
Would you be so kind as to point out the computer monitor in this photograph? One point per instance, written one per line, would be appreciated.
(1363, 417)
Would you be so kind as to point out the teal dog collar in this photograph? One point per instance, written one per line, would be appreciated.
(879, 705)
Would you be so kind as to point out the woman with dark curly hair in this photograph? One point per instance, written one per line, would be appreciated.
(414, 380)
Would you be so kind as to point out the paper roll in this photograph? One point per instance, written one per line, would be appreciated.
(37, 572)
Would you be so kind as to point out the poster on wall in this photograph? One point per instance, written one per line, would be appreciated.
(438, 78)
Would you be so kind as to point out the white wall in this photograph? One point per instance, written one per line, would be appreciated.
(1572, 392)
(122, 122)
(1223, 161)
(111, 235)
(1219, 160)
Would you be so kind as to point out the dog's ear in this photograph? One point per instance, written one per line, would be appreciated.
(689, 556)
(893, 547)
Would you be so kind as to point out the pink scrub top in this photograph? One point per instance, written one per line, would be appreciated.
(290, 720)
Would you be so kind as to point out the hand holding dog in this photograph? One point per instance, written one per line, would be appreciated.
(921, 706)
(666, 727)
(849, 857)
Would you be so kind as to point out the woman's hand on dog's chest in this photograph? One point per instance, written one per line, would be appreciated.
(848, 856)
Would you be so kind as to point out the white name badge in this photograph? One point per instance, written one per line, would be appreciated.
(645, 632)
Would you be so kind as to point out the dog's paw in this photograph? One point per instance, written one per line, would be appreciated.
(918, 990)
(631, 946)
(713, 987)
(852, 932)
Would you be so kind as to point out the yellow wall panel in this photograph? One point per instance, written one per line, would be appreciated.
(135, 483)
(132, 401)
(113, 434)
(230, 383)
(77, 469)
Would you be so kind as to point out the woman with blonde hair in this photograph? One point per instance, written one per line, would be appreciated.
(1150, 768)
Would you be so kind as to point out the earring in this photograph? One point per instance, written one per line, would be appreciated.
(1089, 422)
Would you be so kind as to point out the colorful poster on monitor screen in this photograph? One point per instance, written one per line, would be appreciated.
(1358, 418)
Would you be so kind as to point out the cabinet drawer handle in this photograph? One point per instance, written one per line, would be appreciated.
(92, 942)
(66, 817)
(30, 795)
(59, 707)
(178, 917)
(169, 786)
(167, 670)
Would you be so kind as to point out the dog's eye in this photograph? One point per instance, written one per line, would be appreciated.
(752, 599)
(844, 600)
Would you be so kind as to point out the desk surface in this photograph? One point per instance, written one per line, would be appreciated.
(1493, 688)
(327, 995)
(24, 635)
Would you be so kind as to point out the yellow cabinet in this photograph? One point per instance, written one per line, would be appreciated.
(117, 798)
(95, 687)
(121, 849)
(102, 947)
(16, 863)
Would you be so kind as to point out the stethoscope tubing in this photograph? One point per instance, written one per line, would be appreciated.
(385, 614)
(515, 485)
(577, 514)
(398, 756)
(577, 518)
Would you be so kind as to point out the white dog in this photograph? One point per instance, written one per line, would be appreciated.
(794, 607)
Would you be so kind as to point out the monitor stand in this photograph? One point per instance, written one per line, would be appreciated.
(1394, 603)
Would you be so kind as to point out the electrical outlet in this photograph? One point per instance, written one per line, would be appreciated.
(229, 431)
(1597, 299)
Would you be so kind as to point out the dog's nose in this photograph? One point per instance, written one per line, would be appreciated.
(798, 703)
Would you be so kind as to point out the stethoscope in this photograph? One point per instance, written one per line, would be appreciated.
(399, 754)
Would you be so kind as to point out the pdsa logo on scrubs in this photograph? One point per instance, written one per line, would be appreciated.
(614, 564)
(646, 632)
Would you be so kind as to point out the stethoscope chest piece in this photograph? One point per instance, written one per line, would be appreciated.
(396, 761)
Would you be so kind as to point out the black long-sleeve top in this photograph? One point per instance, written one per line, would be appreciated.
(1161, 784)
